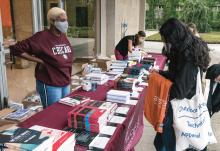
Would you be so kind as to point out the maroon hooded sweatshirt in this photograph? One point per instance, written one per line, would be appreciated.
(55, 51)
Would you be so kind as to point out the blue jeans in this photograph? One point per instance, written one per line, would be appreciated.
(51, 94)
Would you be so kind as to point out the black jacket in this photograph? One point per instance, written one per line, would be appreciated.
(214, 97)
(182, 71)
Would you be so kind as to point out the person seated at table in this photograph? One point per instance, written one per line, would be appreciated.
(187, 53)
(193, 29)
(126, 44)
(52, 52)
(213, 103)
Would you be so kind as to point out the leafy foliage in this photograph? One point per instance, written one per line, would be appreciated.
(199, 12)
(196, 11)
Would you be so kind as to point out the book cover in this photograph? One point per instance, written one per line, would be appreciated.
(19, 115)
(62, 140)
(87, 117)
(99, 143)
(25, 139)
(84, 138)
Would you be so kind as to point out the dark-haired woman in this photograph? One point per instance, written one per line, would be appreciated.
(187, 54)
(126, 44)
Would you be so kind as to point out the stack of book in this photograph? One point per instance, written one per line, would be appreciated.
(98, 78)
(118, 96)
(118, 67)
(19, 115)
(24, 139)
(92, 115)
(83, 138)
(96, 70)
(124, 84)
(87, 118)
(135, 70)
(135, 55)
(62, 140)
(110, 107)
(122, 111)
(117, 120)
(148, 60)
(112, 76)
(74, 100)
(99, 143)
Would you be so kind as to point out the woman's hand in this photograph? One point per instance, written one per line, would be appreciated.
(154, 69)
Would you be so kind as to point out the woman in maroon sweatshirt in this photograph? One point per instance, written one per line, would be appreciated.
(53, 53)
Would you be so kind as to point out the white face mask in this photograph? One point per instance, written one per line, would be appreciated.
(141, 40)
(61, 26)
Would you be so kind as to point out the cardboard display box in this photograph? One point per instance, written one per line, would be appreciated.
(104, 64)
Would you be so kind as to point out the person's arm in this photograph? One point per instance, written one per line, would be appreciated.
(130, 46)
(31, 58)
(27, 49)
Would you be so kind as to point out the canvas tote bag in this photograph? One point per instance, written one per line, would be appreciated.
(191, 121)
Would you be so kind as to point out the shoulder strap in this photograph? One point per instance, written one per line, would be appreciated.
(199, 83)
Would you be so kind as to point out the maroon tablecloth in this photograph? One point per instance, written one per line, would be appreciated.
(55, 116)
(126, 135)
(160, 60)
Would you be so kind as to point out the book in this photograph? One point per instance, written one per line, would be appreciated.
(84, 138)
(19, 115)
(108, 130)
(118, 96)
(62, 140)
(110, 108)
(117, 120)
(87, 118)
(123, 110)
(132, 102)
(74, 100)
(16, 138)
(98, 78)
(99, 143)
(135, 55)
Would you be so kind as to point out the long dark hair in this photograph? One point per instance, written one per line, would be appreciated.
(185, 43)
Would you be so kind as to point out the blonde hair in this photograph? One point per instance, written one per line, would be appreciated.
(53, 13)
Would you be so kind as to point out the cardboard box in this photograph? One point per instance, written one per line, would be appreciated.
(104, 64)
